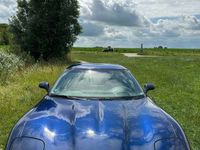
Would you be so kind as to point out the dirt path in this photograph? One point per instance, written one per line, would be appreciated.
(136, 55)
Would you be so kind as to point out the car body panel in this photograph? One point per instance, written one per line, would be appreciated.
(84, 124)
(88, 124)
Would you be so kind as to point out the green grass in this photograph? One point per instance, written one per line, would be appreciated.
(147, 51)
(176, 78)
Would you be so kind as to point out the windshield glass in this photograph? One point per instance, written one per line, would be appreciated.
(97, 84)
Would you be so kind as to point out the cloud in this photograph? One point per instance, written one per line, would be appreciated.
(185, 25)
(180, 31)
(4, 11)
(123, 22)
(191, 23)
(91, 29)
(7, 9)
(172, 27)
(113, 13)
(128, 23)
(160, 8)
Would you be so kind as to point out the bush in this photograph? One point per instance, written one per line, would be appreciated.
(9, 64)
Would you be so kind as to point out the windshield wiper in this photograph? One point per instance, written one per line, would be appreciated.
(99, 98)
(123, 98)
(138, 97)
(67, 97)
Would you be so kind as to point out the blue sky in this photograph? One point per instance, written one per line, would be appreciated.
(128, 23)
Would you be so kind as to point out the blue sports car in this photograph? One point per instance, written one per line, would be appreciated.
(97, 107)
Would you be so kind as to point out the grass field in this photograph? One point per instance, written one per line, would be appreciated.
(147, 51)
(176, 78)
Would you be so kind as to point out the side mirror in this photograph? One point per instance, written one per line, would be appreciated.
(44, 85)
(148, 87)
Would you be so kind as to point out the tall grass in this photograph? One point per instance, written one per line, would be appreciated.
(9, 64)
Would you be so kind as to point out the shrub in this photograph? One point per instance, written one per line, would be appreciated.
(9, 64)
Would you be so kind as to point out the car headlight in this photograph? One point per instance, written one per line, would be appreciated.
(26, 143)
(169, 144)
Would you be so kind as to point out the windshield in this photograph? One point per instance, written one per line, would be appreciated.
(97, 84)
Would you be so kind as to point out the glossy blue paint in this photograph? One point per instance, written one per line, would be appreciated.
(65, 124)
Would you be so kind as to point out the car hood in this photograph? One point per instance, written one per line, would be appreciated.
(82, 125)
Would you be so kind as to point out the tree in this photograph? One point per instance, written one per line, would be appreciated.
(5, 38)
(46, 28)
(4, 34)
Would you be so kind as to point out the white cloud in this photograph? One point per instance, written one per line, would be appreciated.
(4, 11)
(7, 9)
(127, 23)
(159, 8)
(131, 28)
(181, 32)
(182, 26)
(121, 13)
(91, 29)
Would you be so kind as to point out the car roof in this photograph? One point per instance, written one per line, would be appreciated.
(95, 66)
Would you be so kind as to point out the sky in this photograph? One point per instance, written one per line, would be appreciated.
(128, 23)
